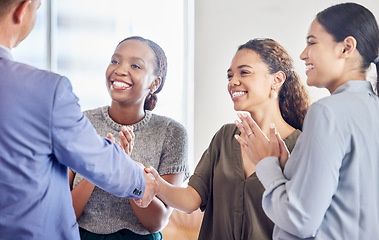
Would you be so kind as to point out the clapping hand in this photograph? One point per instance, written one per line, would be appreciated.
(256, 144)
(127, 139)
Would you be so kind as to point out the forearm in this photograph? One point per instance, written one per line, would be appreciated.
(289, 200)
(80, 196)
(155, 217)
(185, 199)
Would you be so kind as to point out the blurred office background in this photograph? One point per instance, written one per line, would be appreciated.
(200, 37)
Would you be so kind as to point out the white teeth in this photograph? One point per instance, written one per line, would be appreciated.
(120, 84)
(308, 67)
(238, 94)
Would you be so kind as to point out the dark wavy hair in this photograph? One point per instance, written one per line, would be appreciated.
(160, 69)
(293, 97)
(351, 19)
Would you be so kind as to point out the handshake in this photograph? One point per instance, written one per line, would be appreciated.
(151, 175)
(151, 189)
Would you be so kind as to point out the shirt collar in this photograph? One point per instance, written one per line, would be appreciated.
(5, 53)
(355, 86)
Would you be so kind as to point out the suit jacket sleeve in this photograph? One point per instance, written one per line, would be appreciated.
(77, 145)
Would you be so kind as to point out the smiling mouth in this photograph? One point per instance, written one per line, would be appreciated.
(237, 94)
(118, 85)
(309, 67)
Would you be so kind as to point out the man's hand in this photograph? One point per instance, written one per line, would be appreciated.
(151, 190)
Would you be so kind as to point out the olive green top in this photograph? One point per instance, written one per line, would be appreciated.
(232, 204)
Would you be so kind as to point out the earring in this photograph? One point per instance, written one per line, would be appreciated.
(274, 93)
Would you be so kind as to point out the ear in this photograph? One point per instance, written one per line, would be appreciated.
(155, 84)
(279, 79)
(20, 10)
(349, 46)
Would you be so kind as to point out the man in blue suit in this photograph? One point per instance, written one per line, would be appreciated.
(42, 132)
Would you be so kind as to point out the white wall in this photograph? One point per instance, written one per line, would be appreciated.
(220, 27)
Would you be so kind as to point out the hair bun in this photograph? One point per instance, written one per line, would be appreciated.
(150, 101)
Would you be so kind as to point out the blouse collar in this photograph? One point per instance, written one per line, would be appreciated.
(355, 86)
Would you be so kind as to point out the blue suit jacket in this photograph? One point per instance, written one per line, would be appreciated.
(42, 132)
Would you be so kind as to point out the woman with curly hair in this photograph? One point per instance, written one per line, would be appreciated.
(328, 188)
(261, 81)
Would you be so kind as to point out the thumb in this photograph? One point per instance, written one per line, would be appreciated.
(151, 170)
(110, 137)
(147, 169)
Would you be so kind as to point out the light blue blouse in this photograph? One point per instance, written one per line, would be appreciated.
(329, 187)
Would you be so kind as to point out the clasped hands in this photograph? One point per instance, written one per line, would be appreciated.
(256, 144)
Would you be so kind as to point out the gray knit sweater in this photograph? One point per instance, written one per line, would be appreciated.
(160, 142)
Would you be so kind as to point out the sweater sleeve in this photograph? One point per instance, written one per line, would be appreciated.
(175, 151)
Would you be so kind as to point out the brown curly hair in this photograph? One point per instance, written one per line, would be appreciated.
(293, 97)
(160, 69)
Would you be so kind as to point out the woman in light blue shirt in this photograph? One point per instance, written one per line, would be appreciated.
(328, 188)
